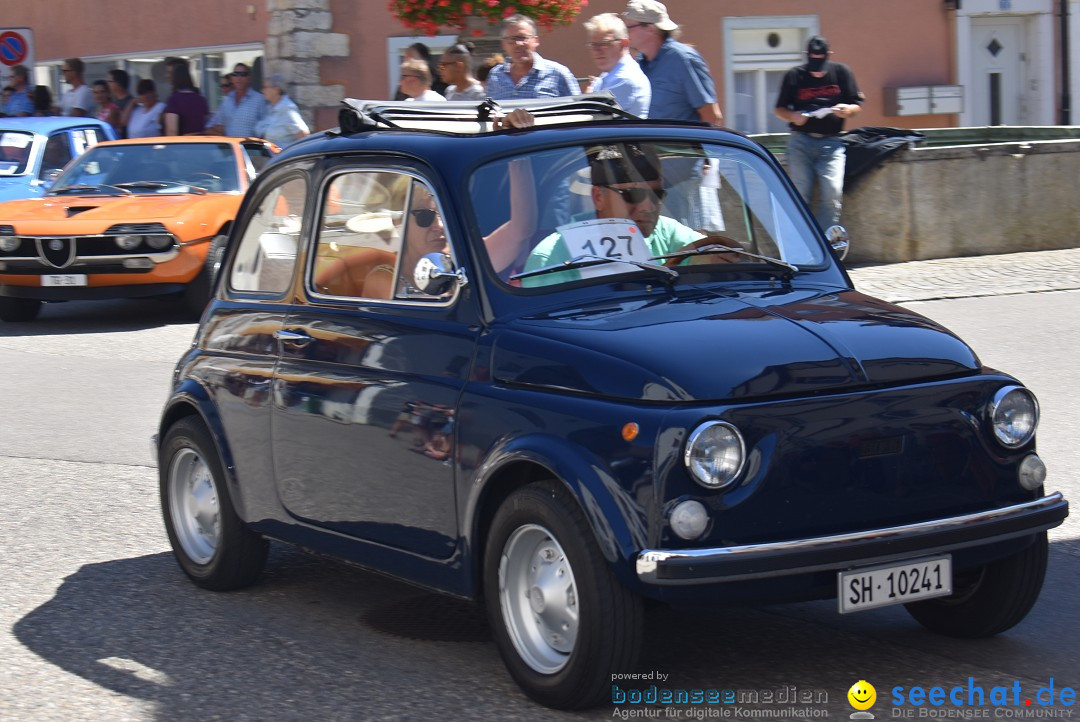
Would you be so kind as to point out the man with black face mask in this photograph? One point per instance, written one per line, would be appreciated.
(815, 98)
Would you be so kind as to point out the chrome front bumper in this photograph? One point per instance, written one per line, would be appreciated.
(800, 556)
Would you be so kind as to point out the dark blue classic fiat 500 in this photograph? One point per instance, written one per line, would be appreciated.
(567, 368)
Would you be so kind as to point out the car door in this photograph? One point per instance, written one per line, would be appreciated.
(237, 338)
(371, 370)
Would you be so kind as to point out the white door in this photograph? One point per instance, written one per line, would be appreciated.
(997, 47)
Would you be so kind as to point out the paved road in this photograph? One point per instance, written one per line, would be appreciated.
(97, 623)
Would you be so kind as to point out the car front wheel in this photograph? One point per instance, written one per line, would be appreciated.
(211, 543)
(990, 599)
(562, 622)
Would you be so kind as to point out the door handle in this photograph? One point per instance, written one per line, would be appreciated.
(293, 338)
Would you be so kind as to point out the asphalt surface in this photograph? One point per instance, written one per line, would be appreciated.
(97, 623)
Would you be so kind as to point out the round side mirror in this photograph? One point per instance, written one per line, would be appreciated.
(839, 240)
(435, 274)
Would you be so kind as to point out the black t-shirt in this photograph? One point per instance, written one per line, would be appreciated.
(801, 92)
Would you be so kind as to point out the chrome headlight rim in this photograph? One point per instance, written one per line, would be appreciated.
(690, 444)
(995, 404)
(10, 244)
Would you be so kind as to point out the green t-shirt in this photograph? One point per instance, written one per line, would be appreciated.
(668, 237)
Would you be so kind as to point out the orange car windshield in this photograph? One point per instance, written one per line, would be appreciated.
(153, 168)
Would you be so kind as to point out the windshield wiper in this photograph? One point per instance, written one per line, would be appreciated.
(162, 184)
(720, 248)
(586, 261)
(84, 188)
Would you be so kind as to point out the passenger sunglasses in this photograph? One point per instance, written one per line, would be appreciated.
(241, 73)
(424, 217)
(637, 194)
(601, 45)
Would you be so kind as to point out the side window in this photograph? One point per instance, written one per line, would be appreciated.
(258, 154)
(267, 253)
(57, 153)
(375, 227)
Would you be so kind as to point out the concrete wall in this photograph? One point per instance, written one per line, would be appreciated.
(941, 202)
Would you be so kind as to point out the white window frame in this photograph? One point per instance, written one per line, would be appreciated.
(808, 24)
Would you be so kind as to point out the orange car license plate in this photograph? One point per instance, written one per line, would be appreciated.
(64, 279)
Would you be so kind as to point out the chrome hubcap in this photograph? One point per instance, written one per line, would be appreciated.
(193, 504)
(539, 598)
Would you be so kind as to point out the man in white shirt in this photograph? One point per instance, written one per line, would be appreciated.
(79, 100)
(609, 45)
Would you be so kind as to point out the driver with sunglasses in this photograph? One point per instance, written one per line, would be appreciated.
(626, 183)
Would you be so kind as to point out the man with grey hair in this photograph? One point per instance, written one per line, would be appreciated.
(282, 123)
(526, 74)
(609, 45)
(241, 109)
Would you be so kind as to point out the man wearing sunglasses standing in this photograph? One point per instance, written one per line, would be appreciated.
(241, 109)
(609, 45)
(626, 183)
(526, 74)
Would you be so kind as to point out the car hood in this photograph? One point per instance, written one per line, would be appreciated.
(16, 187)
(708, 347)
(104, 208)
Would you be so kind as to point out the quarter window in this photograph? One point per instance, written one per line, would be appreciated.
(376, 226)
(267, 253)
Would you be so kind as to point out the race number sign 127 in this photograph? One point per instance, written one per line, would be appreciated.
(617, 239)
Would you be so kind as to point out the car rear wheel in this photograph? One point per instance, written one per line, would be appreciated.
(213, 546)
(990, 599)
(197, 293)
(19, 309)
(562, 622)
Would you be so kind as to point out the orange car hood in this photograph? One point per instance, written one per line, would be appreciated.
(133, 208)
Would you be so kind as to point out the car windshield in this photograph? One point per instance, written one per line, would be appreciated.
(152, 168)
(15, 147)
(585, 213)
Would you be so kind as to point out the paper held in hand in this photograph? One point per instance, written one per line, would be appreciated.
(818, 113)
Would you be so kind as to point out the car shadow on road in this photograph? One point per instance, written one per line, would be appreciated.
(316, 639)
(76, 317)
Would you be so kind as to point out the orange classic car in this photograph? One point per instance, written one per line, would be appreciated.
(129, 218)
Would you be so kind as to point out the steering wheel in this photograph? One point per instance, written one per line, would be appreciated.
(716, 240)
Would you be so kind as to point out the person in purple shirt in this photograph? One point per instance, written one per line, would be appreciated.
(526, 74)
(185, 110)
(682, 88)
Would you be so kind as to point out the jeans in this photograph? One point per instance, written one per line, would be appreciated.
(810, 158)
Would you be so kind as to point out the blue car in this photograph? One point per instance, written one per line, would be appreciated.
(571, 362)
(34, 150)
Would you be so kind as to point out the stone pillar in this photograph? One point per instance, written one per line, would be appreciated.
(297, 37)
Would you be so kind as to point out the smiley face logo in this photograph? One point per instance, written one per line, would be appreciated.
(862, 695)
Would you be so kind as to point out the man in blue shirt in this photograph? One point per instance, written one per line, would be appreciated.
(682, 88)
(609, 45)
(20, 102)
(526, 74)
(241, 109)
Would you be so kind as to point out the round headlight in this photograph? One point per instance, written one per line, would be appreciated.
(159, 242)
(1014, 413)
(9, 243)
(128, 243)
(715, 454)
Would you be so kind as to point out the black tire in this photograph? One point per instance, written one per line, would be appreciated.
(607, 626)
(212, 545)
(18, 310)
(198, 293)
(990, 599)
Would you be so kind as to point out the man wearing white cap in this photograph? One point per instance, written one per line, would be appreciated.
(682, 88)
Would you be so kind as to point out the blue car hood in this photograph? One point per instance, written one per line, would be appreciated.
(739, 346)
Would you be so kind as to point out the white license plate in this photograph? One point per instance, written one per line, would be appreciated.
(64, 279)
(873, 587)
